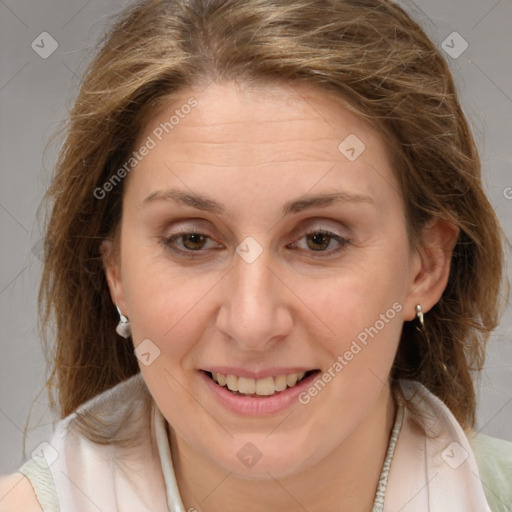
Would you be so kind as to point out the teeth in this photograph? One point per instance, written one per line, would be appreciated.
(279, 382)
(232, 382)
(263, 387)
(246, 386)
(291, 379)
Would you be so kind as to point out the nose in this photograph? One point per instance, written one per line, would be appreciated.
(255, 310)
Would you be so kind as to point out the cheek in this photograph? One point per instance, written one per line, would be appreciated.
(361, 316)
(168, 311)
(164, 302)
(368, 289)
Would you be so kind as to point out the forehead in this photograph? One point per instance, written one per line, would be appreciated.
(278, 135)
(267, 113)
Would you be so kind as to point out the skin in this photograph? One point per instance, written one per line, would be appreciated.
(253, 150)
(17, 495)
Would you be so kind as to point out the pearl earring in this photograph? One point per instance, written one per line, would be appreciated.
(123, 327)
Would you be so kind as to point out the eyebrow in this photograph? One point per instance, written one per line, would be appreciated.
(201, 202)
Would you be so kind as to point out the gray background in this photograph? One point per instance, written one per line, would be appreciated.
(35, 94)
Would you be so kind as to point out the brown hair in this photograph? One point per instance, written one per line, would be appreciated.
(368, 53)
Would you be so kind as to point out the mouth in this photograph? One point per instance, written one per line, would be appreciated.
(268, 386)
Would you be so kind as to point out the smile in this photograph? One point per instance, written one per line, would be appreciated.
(262, 387)
(256, 393)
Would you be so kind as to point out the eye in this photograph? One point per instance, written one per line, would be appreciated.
(189, 242)
(321, 241)
(193, 243)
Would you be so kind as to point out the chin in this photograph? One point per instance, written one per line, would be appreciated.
(258, 459)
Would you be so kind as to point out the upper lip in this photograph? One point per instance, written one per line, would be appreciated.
(257, 374)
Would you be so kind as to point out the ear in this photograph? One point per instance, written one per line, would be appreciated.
(431, 268)
(112, 270)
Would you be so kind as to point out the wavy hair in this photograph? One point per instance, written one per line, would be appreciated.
(370, 55)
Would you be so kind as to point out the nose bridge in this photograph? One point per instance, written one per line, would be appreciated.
(254, 311)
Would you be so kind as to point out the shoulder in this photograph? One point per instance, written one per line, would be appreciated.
(115, 415)
(493, 452)
(17, 494)
(494, 460)
(493, 456)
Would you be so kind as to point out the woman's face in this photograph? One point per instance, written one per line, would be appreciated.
(263, 236)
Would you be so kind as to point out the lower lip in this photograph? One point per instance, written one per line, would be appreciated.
(257, 405)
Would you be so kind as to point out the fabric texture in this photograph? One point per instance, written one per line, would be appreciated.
(433, 468)
(430, 463)
(494, 459)
(37, 471)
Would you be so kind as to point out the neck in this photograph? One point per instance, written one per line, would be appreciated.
(344, 480)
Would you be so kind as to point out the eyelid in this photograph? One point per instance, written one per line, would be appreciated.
(333, 227)
(180, 232)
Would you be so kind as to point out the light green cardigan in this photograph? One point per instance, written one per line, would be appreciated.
(494, 459)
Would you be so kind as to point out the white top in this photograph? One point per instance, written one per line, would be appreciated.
(435, 472)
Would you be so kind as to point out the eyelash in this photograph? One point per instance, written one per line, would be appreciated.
(169, 243)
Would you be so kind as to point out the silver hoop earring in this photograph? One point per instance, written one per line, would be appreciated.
(123, 327)
(419, 315)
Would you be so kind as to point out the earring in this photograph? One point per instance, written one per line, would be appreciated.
(419, 315)
(123, 327)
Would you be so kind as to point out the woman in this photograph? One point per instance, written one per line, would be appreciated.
(273, 210)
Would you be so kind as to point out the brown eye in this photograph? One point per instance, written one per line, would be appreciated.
(190, 244)
(323, 242)
(318, 241)
(194, 241)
